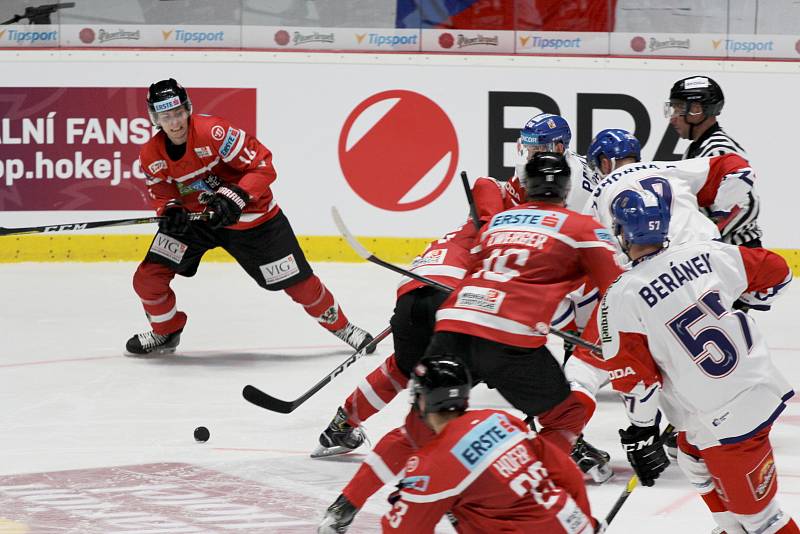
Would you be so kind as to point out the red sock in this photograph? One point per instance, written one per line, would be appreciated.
(563, 423)
(376, 391)
(318, 302)
(151, 282)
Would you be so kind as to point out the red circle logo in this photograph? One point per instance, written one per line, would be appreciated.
(86, 35)
(398, 150)
(638, 43)
(217, 132)
(446, 40)
(282, 37)
(797, 47)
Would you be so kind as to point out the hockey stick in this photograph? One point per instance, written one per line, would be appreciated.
(367, 255)
(632, 483)
(255, 396)
(545, 329)
(93, 224)
(473, 212)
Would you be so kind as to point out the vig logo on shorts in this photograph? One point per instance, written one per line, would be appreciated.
(280, 270)
(169, 247)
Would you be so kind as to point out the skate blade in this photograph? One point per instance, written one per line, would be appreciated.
(324, 452)
(601, 473)
(153, 354)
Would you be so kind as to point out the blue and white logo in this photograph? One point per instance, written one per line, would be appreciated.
(482, 440)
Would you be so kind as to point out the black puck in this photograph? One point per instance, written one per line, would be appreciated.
(201, 434)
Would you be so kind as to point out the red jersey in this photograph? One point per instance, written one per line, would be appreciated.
(527, 260)
(493, 475)
(216, 153)
(447, 259)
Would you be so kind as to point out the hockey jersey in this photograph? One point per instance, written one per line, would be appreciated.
(669, 322)
(741, 227)
(582, 179)
(447, 259)
(527, 260)
(216, 153)
(493, 475)
(713, 182)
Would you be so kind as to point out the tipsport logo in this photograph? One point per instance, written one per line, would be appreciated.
(28, 37)
(195, 37)
(391, 40)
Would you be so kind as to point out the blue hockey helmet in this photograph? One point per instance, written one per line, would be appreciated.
(544, 131)
(640, 218)
(613, 144)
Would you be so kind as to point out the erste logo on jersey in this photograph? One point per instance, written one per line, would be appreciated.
(479, 443)
(398, 150)
(229, 142)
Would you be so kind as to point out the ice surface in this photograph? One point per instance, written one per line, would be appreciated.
(95, 442)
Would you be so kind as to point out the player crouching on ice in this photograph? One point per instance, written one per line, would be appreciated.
(672, 338)
(204, 164)
(485, 469)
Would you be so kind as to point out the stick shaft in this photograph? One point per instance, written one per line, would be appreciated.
(71, 227)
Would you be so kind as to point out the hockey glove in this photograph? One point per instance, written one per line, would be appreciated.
(225, 205)
(175, 218)
(645, 452)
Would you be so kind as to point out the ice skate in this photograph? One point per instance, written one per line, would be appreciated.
(339, 438)
(338, 517)
(150, 343)
(592, 461)
(355, 337)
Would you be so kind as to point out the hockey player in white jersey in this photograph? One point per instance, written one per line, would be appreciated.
(716, 182)
(546, 132)
(672, 340)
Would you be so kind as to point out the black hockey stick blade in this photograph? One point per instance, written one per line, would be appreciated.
(367, 255)
(473, 212)
(255, 396)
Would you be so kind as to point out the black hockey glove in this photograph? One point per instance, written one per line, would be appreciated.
(645, 452)
(176, 218)
(225, 205)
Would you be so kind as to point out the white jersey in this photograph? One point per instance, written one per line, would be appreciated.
(669, 321)
(582, 180)
(677, 182)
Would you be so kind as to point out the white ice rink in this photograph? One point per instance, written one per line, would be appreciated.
(95, 442)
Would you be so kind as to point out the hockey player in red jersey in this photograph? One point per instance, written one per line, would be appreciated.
(528, 259)
(200, 163)
(485, 467)
(445, 260)
(673, 340)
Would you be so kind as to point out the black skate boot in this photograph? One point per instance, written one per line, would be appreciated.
(148, 343)
(592, 461)
(339, 438)
(338, 517)
(355, 337)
